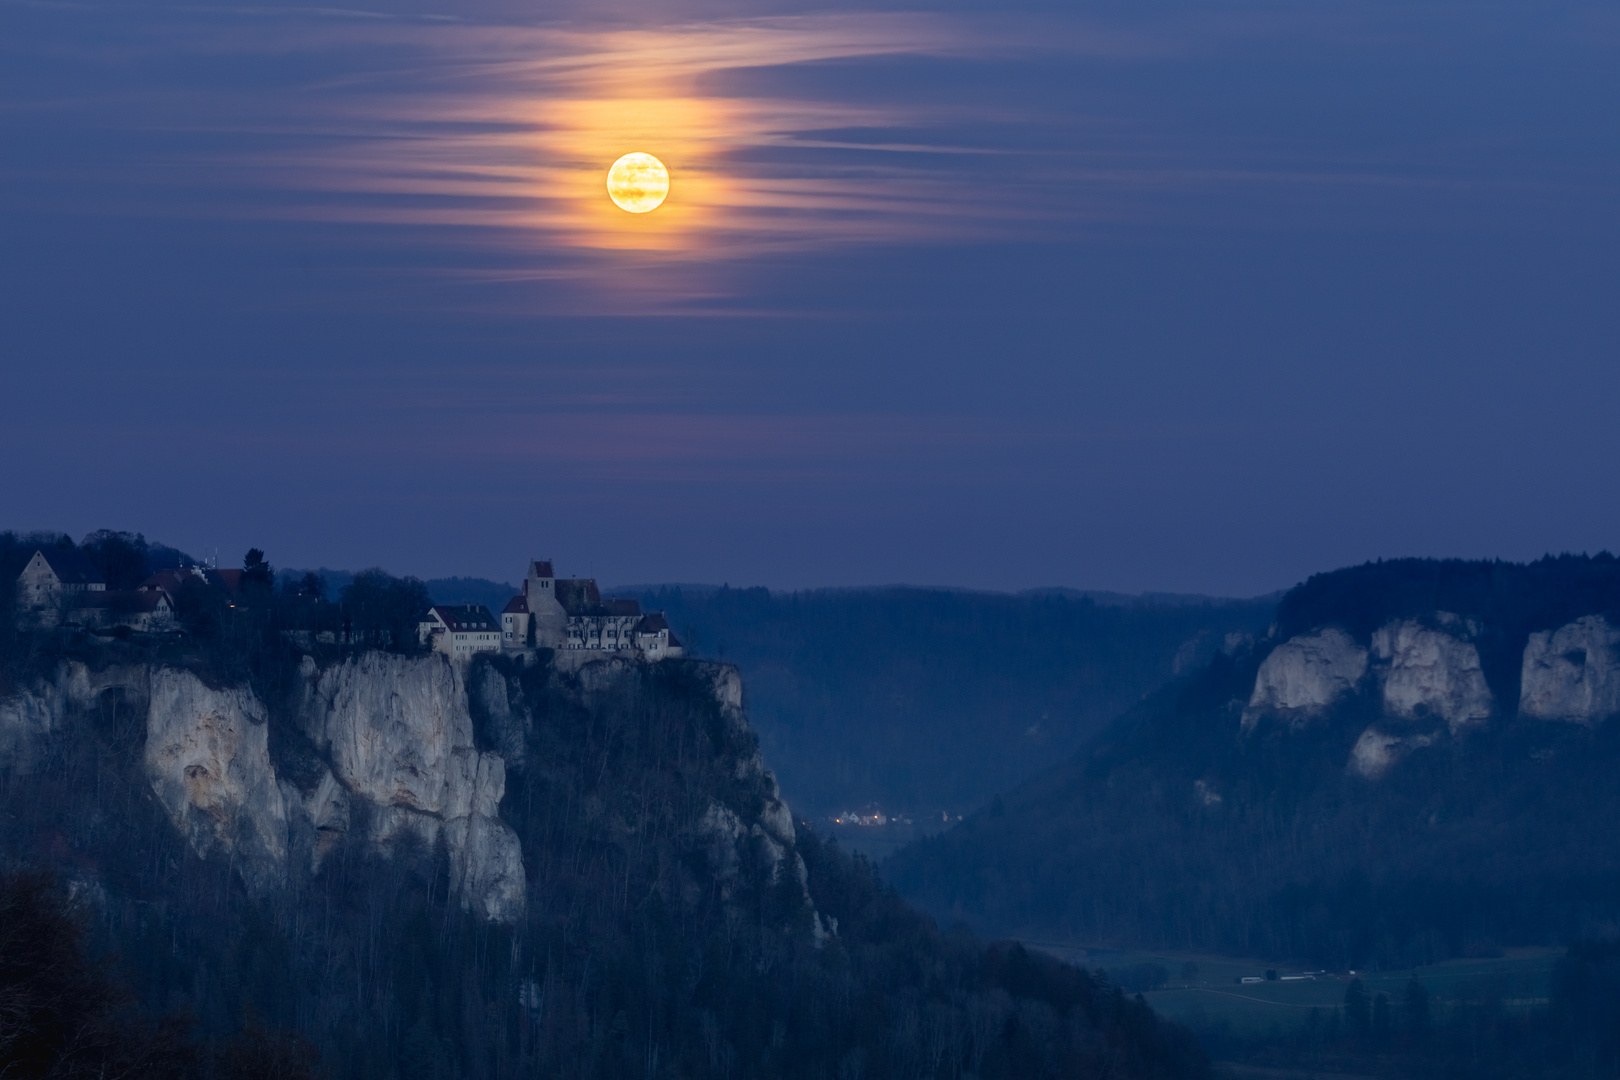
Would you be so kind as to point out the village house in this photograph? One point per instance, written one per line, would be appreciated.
(172, 581)
(53, 576)
(150, 611)
(62, 586)
(460, 631)
(570, 613)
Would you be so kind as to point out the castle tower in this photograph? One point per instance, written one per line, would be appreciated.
(547, 619)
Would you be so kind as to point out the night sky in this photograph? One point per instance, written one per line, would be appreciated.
(1198, 297)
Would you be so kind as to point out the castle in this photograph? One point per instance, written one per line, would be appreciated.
(552, 613)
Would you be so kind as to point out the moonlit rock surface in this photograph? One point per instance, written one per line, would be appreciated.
(1431, 673)
(393, 767)
(1376, 750)
(30, 717)
(317, 819)
(1572, 673)
(400, 736)
(208, 760)
(1304, 675)
(393, 726)
(27, 720)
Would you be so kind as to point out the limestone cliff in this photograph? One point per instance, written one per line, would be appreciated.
(1431, 684)
(208, 760)
(1305, 675)
(30, 718)
(393, 758)
(1572, 673)
(1430, 673)
(1427, 676)
(399, 736)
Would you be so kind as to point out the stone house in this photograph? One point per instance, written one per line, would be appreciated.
(149, 611)
(62, 586)
(656, 639)
(53, 576)
(460, 631)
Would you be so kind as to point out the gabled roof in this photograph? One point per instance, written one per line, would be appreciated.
(540, 568)
(621, 607)
(651, 623)
(168, 581)
(518, 605)
(71, 566)
(124, 600)
(466, 618)
(579, 596)
(171, 581)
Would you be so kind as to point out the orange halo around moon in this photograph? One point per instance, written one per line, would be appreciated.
(638, 183)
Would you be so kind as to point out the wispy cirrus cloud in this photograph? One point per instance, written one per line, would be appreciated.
(485, 146)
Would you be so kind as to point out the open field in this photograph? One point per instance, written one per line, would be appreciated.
(1208, 996)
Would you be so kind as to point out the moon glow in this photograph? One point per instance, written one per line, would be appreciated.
(638, 183)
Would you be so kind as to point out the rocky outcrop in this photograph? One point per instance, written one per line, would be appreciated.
(1304, 676)
(399, 735)
(1572, 673)
(1377, 750)
(318, 819)
(27, 720)
(1430, 673)
(505, 721)
(31, 717)
(391, 763)
(208, 760)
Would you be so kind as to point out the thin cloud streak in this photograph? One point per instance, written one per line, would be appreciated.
(488, 145)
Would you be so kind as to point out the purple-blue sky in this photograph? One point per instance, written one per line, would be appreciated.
(1180, 296)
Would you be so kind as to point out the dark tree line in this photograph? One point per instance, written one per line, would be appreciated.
(226, 635)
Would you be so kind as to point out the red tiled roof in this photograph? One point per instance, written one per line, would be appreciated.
(466, 618)
(651, 623)
(167, 580)
(518, 605)
(172, 581)
(579, 596)
(540, 568)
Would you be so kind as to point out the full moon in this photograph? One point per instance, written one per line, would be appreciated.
(638, 183)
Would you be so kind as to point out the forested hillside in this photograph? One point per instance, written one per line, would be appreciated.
(502, 870)
(925, 700)
(1377, 784)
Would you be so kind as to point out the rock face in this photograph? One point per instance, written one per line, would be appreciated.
(1572, 673)
(26, 722)
(399, 736)
(29, 719)
(391, 761)
(208, 760)
(1377, 750)
(1304, 676)
(506, 723)
(1431, 674)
